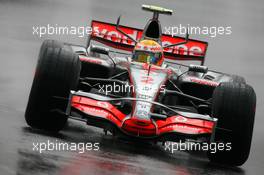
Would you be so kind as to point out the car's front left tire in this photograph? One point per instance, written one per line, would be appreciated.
(233, 104)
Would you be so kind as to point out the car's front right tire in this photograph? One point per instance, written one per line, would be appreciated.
(57, 73)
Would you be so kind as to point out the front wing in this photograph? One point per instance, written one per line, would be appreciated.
(101, 113)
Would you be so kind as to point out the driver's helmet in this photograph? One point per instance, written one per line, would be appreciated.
(148, 51)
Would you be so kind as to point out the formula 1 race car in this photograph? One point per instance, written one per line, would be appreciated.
(142, 92)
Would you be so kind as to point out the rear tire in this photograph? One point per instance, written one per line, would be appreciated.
(56, 74)
(234, 106)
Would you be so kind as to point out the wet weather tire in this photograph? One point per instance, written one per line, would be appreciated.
(234, 106)
(56, 74)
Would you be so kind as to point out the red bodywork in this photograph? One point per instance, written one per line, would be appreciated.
(107, 34)
(132, 126)
(145, 78)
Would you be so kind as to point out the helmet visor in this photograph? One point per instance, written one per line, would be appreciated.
(146, 57)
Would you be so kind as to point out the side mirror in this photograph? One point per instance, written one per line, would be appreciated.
(99, 49)
(198, 68)
(102, 50)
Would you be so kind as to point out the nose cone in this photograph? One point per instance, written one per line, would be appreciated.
(139, 127)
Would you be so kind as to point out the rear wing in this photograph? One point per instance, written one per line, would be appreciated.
(107, 34)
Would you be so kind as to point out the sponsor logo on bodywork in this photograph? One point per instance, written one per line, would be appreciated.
(204, 82)
(108, 32)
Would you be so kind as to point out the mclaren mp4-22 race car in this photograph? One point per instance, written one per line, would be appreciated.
(138, 89)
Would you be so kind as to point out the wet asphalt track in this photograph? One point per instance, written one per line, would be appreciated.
(240, 53)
